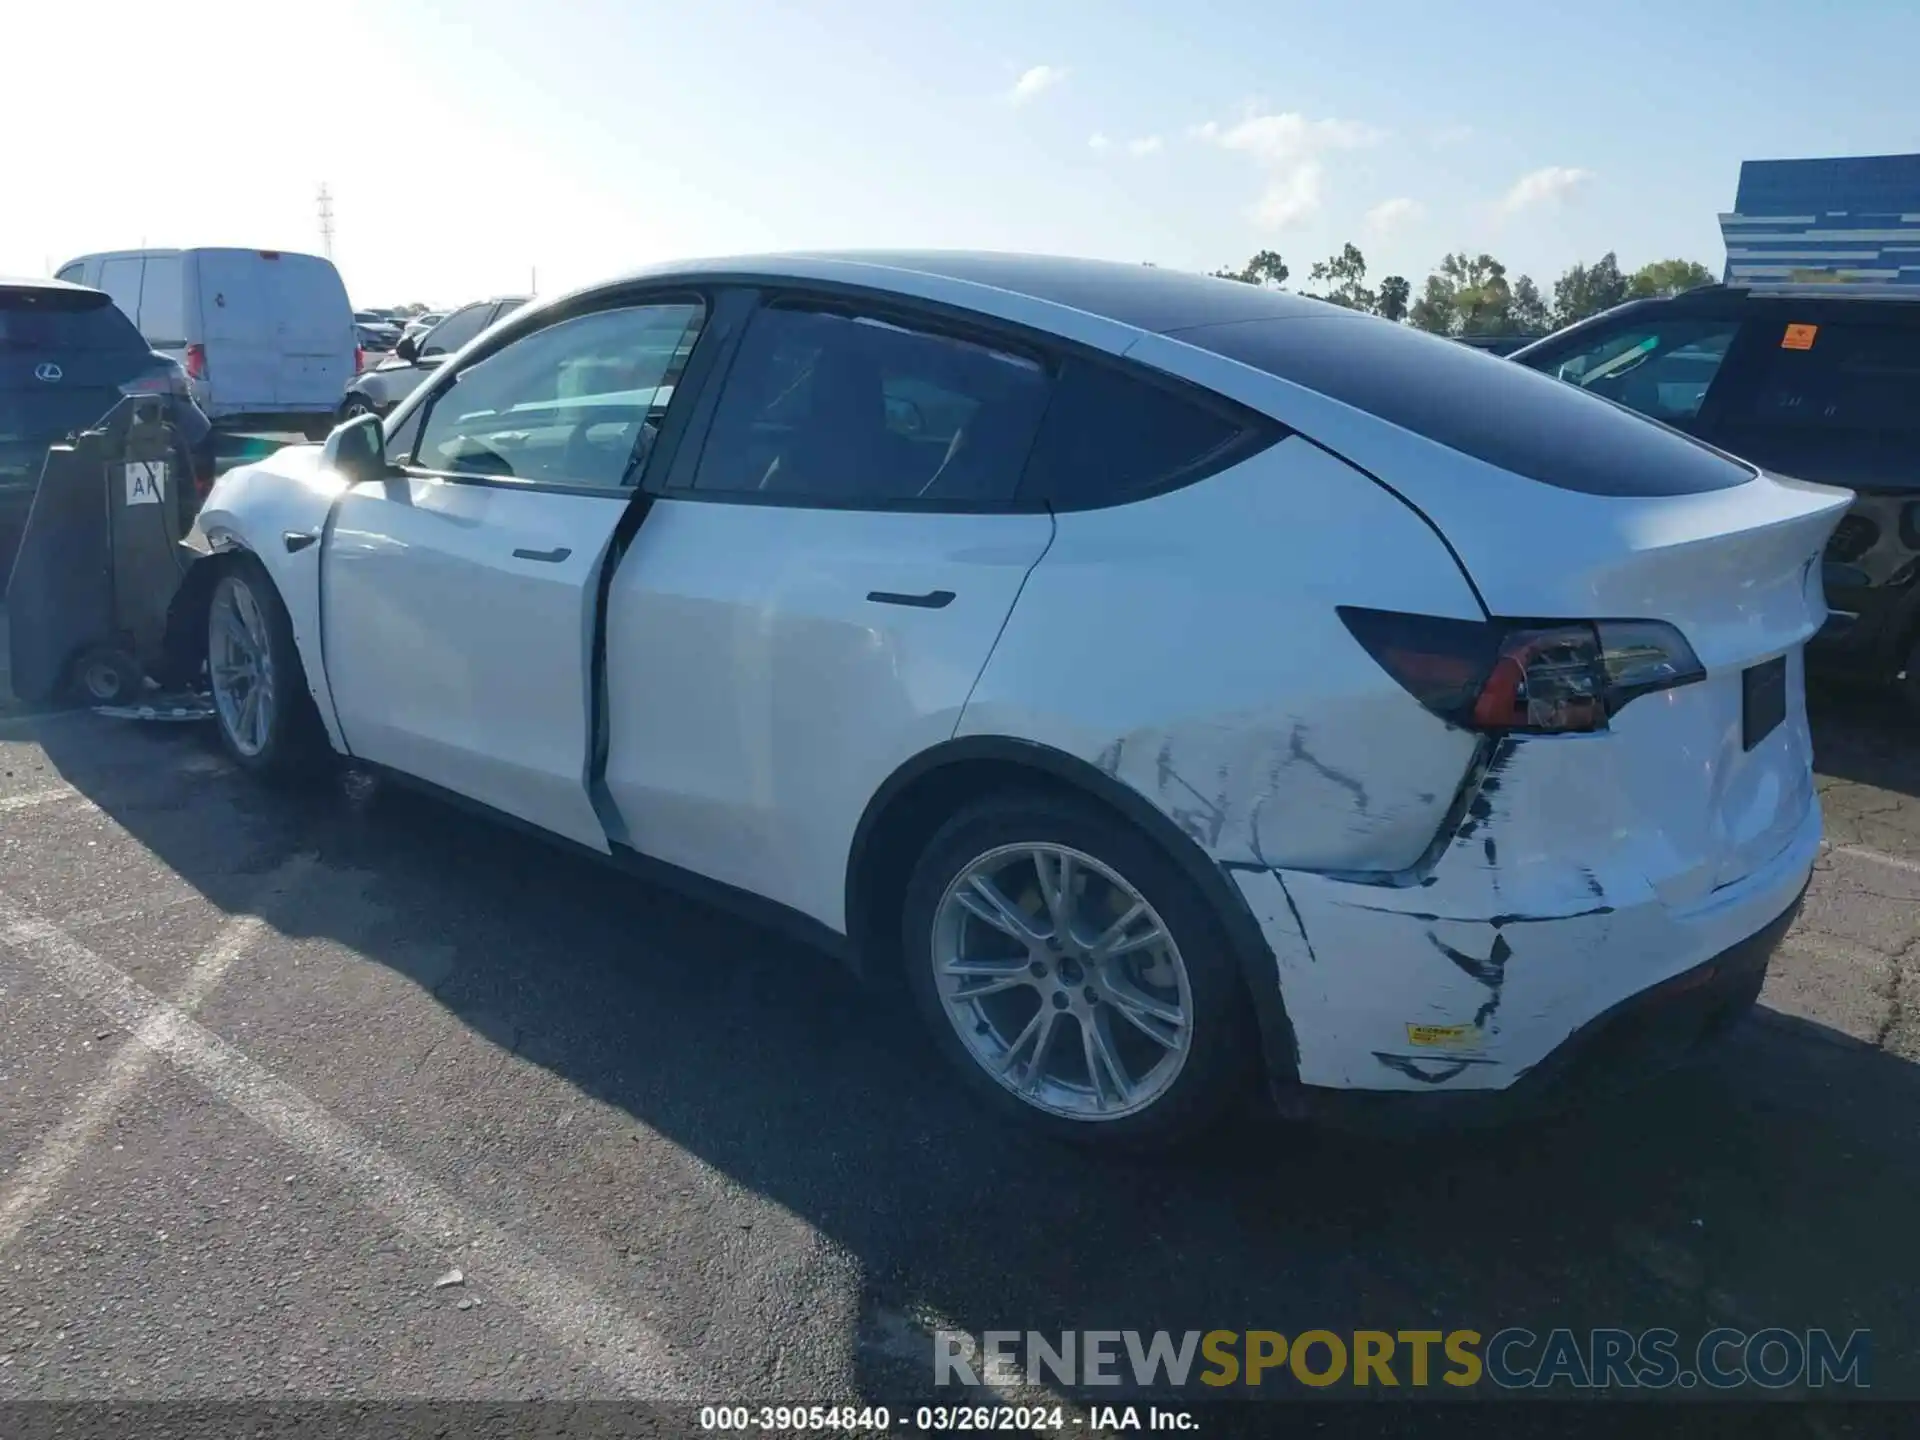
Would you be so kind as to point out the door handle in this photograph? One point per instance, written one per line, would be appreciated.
(549, 557)
(932, 600)
(298, 540)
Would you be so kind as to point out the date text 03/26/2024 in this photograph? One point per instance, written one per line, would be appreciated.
(926, 1419)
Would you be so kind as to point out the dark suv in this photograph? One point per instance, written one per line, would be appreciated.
(1817, 381)
(67, 357)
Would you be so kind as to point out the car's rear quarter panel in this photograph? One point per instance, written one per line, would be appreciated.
(1189, 646)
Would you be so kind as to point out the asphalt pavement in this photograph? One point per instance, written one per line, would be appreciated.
(346, 1094)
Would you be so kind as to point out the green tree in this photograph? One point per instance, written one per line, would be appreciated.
(1667, 277)
(1467, 295)
(1588, 289)
(1265, 268)
(1391, 302)
(1529, 313)
(1345, 274)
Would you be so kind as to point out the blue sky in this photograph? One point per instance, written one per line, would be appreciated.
(469, 146)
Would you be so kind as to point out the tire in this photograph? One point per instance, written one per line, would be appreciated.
(106, 676)
(290, 742)
(1163, 1096)
(354, 406)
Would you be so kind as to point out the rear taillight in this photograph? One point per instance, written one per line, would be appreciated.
(169, 379)
(359, 359)
(1547, 677)
(196, 362)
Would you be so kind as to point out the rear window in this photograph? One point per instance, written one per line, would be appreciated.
(1480, 405)
(1110, 437)
(65, 322)
(1838, 377)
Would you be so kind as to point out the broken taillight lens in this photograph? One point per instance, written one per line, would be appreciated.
(1536, 677)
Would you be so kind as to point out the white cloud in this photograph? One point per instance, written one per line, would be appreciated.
(1145, 145)
(1098, 141)
(1546, 186)
(1035, 81)
(1288, 147)
(1390, 215)
(1447, 136)
(1290, 198)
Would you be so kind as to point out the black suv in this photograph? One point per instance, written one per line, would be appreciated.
(1816, 381)
(67, 357)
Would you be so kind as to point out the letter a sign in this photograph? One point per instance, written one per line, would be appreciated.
(146, 482)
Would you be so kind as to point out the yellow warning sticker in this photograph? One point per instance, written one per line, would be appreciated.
(1799, 337)
(1440, 1036)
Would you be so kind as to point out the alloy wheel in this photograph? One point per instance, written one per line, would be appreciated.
(240, 665)
(1062, 982)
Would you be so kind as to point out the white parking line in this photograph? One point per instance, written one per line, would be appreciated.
(39, 1178)
(34, 798)
(1860, 852)
(628, 1353)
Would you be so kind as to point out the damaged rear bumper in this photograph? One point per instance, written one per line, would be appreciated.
(1635, 1041)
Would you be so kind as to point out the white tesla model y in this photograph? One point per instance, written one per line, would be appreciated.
(1177, 681)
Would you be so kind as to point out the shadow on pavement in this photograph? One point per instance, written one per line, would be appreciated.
(1771, 1184)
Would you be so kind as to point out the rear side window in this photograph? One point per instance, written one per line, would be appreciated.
(456, 330)
(1838, 377)
(163, 302)
(846, 408)
(65, 322)
(1659, 367)
(1481, 405)
(1110, 437)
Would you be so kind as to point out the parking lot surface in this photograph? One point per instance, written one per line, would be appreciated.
(348, 1094)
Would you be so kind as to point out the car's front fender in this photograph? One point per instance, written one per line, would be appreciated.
(277, 512)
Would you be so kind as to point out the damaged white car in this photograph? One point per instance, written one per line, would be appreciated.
(1177, 681)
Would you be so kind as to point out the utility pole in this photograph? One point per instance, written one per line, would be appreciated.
(326, 221)
(533, 280)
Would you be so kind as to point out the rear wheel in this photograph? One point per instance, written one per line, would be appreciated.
(1073, 977)
(355, 406)
(265, 714)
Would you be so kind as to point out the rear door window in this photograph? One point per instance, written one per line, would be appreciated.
(65, 322)
(1110, 437)
(1659, 367)
(163, 306)
(121, 280)
(457, 329)
(839, 407)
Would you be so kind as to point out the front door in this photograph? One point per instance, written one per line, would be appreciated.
(458, 596)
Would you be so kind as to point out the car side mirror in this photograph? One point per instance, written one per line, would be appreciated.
(407, 348)
(357, 450)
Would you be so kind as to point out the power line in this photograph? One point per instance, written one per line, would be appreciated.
(326, 221)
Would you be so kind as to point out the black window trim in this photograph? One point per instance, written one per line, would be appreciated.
(1258, 431)
(410, 428)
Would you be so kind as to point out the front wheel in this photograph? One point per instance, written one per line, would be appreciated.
(266, 717)
(1073, 976)
(356, 406)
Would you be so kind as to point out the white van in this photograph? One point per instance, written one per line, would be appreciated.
(266, 336)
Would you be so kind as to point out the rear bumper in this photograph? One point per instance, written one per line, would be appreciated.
(1619, 1049)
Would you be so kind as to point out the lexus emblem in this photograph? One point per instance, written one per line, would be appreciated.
(48, 371)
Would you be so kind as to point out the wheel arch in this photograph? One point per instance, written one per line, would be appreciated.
(918, 797)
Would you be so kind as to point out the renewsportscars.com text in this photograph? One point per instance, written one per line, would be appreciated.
(1512, 1358)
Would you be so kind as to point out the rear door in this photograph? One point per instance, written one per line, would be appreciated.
(316, 332)
(460, 597)
(816, 589)
(239, 320)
